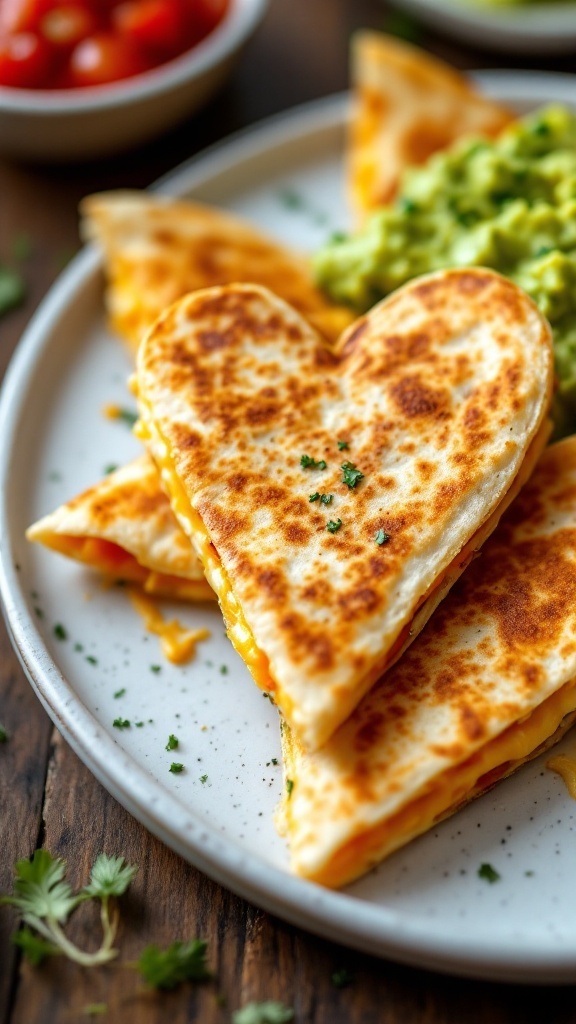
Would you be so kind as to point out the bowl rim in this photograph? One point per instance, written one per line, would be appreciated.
(225, 38)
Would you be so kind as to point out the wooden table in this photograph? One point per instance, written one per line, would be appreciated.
(48, 798)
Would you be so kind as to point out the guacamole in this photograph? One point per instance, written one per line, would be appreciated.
(508, 204)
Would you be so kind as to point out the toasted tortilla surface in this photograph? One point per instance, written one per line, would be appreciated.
(490, 682)
(438, 394)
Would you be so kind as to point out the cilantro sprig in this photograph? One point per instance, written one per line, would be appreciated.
(46, 900)
(263, 1013)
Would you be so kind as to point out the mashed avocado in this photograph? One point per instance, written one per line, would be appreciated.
(509, 204)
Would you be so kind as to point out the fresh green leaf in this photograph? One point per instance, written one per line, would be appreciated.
(342, 978)
(203, 778)
(176, 768)
(181, 961)
(127, 416)
(34, 948)
(12, 290)
(333, 525)
(39, 888)
(488, 873)
(172, 742)
(110, 876)
(263, 1013)
(120, 693)
(22, 246)
(350, 474)
(121, 723)
(309, 463)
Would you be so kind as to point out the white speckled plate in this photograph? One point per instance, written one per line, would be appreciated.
(426, 905)
(529, 26)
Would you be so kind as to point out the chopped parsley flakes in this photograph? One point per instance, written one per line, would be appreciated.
(350, 474)
(289, 787)
(488, 873)
(342, 445)
(333, 525)
(203, 778)
(309, 463)
(120, 693)
(382, 537)
(176, 768)
(324, 498)
(121, 723)
(172, 742)
(59, 632)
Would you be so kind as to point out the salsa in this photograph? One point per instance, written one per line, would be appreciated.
(508, 204)
(73, 44)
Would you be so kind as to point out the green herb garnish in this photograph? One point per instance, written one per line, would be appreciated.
(176, 768)
(333, 525)
(172, 742)
(324, 498)
(342, 978)
(289, 787)
(382, 537)
(12, 290)
(91, 659)
(3, 734)
(46, 900)
(487, 872)
(120, 693)
(263, 1013)
(203, 779)
(156, 668)
(181, 961)
(121, 723)
(110, 468)
(127, 416)
(59, 632)
(350, 475)
(342, 445)
(309, 463)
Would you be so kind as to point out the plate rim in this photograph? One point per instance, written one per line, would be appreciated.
(337, 916)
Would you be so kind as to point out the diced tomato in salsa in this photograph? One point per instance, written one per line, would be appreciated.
(55, 44)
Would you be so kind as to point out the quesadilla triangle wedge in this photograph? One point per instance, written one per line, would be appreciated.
(333, 497)
(124, 527)
(406, 105)
(156, 249)
(489, 683)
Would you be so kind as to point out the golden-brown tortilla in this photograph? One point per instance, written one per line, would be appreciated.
(124, 527)
(157, 249)
(406, 105)
(438, 396)
(490, 682)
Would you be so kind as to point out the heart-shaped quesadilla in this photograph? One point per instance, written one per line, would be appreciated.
(334, 497)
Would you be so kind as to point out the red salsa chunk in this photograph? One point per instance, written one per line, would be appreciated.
(72, 44)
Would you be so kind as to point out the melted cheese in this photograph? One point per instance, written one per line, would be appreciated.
(177, 642)
(443, 796)
(565, 767)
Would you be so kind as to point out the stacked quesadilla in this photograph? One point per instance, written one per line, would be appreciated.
(124, 527)
(489, 683)
(333, 496)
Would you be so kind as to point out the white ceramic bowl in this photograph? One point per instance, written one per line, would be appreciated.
(72, 124)
(537, 28)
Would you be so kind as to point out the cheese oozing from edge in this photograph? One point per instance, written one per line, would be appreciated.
(441, 797)
(178, 643)
(565, 767)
